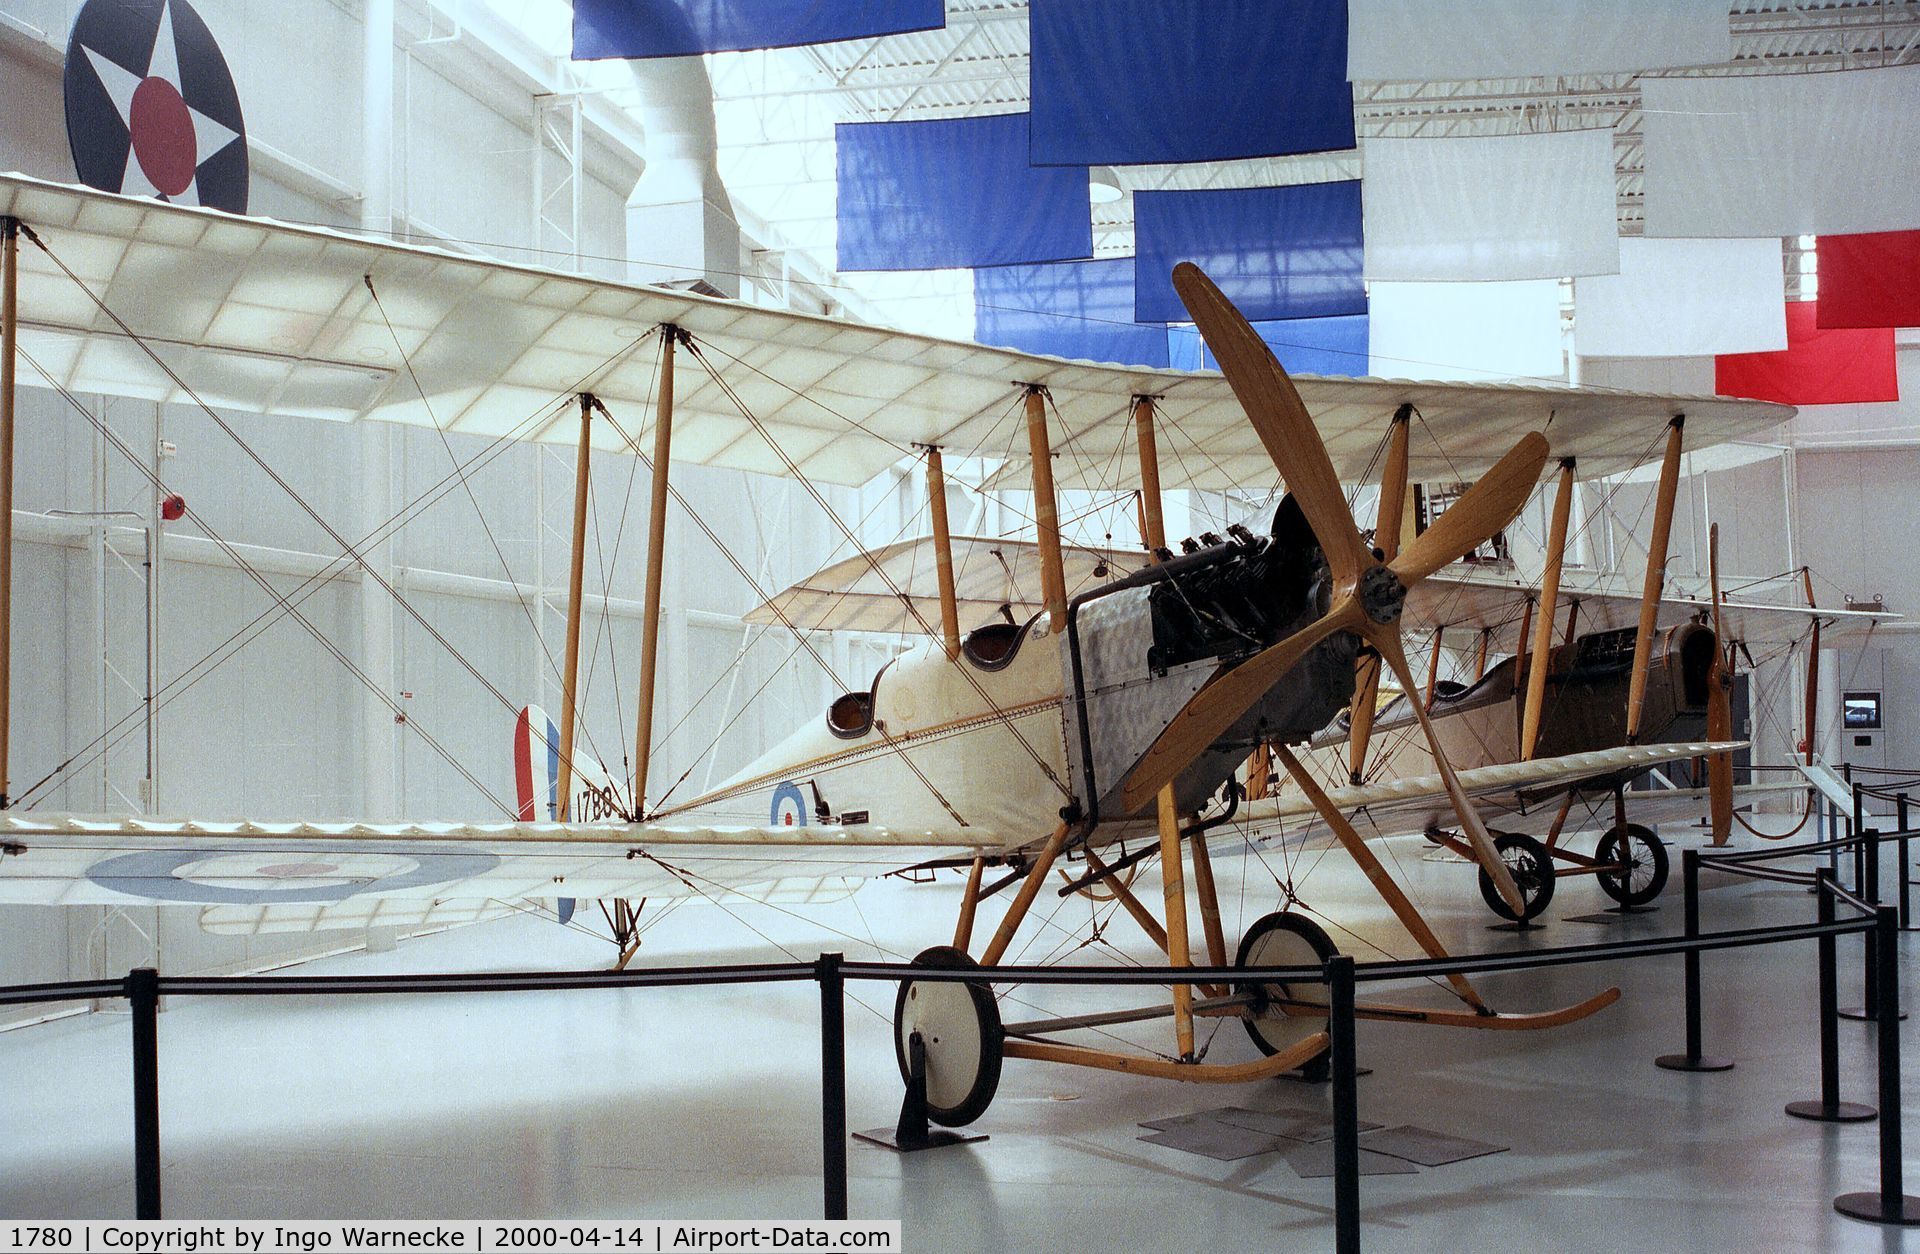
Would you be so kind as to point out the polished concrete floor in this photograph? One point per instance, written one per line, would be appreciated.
(704, 1102)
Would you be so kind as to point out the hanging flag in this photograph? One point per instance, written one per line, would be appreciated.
(954, 192)
(1818, 367)
(151, 107)
(633, 29)
(1120, 82)
(1323, 346)
(1076, 309)
(1277, 252)
(1870, 280)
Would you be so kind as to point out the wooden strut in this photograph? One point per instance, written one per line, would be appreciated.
(1350, 840)
(563, 791)
(1813, 668)
(656, 556)
(9, 334)
(1174, 882)
(1480, 661)
(943, 552)
(969, 903)
(1543, 629)
(1656, 578)
(1046, 511)
(1433, 667)
(1023, 900)
(1168, 1069)
(1153, 523)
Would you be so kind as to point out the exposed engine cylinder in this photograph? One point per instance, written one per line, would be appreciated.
(1139, 649)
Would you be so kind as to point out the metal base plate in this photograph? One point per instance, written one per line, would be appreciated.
(1314, 1162)
(1680, 1062)
(937, 1138)
(1873, 1207)
(1839, 1112)
(1220, 1141)
(1859, 1015)
(1425, 1146)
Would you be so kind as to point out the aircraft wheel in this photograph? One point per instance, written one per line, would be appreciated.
(1285, 939)
(1646, 870)
(1532, 869)
(959, 1025)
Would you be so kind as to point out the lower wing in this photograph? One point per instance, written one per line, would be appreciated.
(340, 874)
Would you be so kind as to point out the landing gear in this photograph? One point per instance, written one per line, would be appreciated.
(623, 924)
(1275, 1020)
(1643, 865)
(1532, 869)
(960, 1037)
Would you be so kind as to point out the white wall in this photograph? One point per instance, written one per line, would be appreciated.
(280, 729)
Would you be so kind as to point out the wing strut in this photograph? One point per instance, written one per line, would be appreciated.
(943, 552)
(656, 556)
(9, 329)
(576, 570)
(1046, 511)
(1656, 577)
(1543, 629)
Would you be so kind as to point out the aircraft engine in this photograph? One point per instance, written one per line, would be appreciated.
(1138, 649)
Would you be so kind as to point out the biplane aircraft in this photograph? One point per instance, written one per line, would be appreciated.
(1117, 710)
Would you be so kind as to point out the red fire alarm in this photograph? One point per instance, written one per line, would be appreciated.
(174, 507)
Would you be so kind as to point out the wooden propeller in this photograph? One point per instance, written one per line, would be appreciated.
(1719, 707)
(1367, 594)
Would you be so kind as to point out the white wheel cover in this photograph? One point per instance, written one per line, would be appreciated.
(949, 1026)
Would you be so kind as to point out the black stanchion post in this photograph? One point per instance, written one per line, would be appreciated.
(1692, 1060)
(1906, 880)
(1346, 1101)
(833, 1083)
(143, 993)
(1869, 1010)
(1891, 1205)
(1829, 1109)
(1855, 828)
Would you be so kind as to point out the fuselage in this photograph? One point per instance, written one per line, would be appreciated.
(1585, 707)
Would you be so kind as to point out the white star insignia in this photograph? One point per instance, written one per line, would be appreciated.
(163, 62)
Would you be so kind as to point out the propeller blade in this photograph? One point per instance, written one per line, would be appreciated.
(1366, 695)
(1280, 417)
(1220, 704)
(1486, 507)
(1719, 708)
(1386, 639)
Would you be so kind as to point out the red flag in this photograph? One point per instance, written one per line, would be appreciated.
(1870, 280)
(1817, 367)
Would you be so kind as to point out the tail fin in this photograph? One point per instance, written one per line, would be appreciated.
(536, 764)
(536, 775)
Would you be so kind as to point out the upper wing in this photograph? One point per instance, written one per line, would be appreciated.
(51, 859)
(1474, 599)
(1418, 803)
(266, 316)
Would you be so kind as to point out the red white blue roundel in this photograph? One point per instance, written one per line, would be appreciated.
(151, 107)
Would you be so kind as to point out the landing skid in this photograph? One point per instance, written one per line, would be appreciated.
(623, 927)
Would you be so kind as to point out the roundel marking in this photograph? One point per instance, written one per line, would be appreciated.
(153, 875)
(789, 806)
(151, 106)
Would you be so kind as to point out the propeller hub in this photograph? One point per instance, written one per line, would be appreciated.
(1381, 594)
